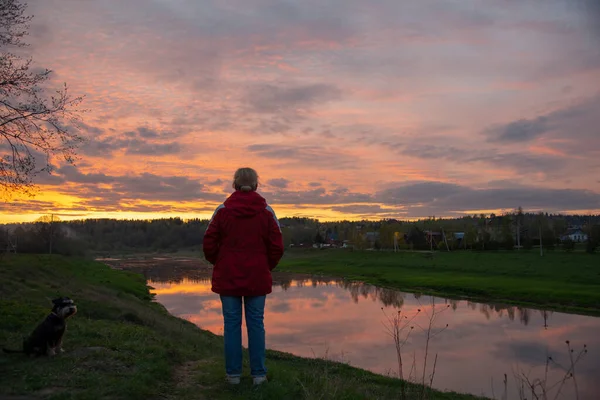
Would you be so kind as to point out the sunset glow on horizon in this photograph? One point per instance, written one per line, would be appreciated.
(347, 109)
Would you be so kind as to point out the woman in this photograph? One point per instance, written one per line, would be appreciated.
(244, 243)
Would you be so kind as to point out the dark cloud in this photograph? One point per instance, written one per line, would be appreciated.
(148, 133)
(118, 189)
(142, 141)
(272, 125)
(140, 147)
(577, 59)
(28, 206)
(72, 174)
(419, 193)
(363, 209)
(93, 130)
(43, 167)
(431, 151)
(108, 204)
(281, 183)
(143, 132)
(317, 196)
(575, 124)
(270, 98)
(567, 89)
(591, 9)
(427, 198)
(522, 162)
(307, 156)
(45, 178)
(103, 147)
(314, 184)
(518, 131)
(155, 187)
(217, 182)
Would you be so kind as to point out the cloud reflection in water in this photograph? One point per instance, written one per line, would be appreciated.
(312, 316)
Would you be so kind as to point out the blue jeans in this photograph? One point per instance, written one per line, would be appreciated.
(254, 308)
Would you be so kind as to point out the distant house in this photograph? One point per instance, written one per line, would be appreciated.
(576, 235)
(459, 238)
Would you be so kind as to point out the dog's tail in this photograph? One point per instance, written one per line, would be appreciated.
(11, 351)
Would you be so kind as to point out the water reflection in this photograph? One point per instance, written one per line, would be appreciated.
(357, 290)
(315, 316)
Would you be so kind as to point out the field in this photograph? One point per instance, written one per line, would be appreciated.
(559, 281)
(121, 345)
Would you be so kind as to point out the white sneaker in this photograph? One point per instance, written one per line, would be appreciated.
(233, 379)
(259, 380)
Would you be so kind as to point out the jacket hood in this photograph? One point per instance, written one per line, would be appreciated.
(245, 204)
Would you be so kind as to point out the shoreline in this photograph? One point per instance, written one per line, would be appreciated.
(133, 262)
(125, 345)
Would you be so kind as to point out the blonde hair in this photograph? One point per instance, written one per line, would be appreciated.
(245, 179)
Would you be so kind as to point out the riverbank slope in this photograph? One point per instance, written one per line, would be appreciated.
(557, 281)
(121, 345)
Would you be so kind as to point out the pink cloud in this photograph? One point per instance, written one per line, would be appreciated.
(344, 93)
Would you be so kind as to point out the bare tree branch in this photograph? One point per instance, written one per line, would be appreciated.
(33, 124)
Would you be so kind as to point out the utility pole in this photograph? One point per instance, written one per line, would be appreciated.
(520, 216)
(444, 234)
(51, 233)
(518, 233)
(431, 241)
(541, 246)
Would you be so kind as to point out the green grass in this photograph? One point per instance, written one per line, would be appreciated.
(559, 281)
(121, 345)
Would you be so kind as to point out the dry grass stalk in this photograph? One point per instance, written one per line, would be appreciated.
(400, 327)
(540, 388)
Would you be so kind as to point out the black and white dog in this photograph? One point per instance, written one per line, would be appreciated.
(47, 338)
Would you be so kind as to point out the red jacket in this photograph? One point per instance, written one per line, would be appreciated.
(244, 243)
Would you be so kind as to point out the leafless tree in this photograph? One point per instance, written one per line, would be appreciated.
(48, 229)
(35, 125)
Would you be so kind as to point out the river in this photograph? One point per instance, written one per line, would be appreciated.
(476, 344)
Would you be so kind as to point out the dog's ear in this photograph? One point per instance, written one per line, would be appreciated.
(57, 301)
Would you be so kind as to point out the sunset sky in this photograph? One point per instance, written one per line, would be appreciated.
(347, 109)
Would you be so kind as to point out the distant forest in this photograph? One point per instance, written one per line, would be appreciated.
(476, 232)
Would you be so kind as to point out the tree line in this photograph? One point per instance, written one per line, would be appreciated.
(517, 229)
(167, 235)
(103, 236)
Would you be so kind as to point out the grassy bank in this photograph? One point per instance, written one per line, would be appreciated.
(121, 345)
(560, 281)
